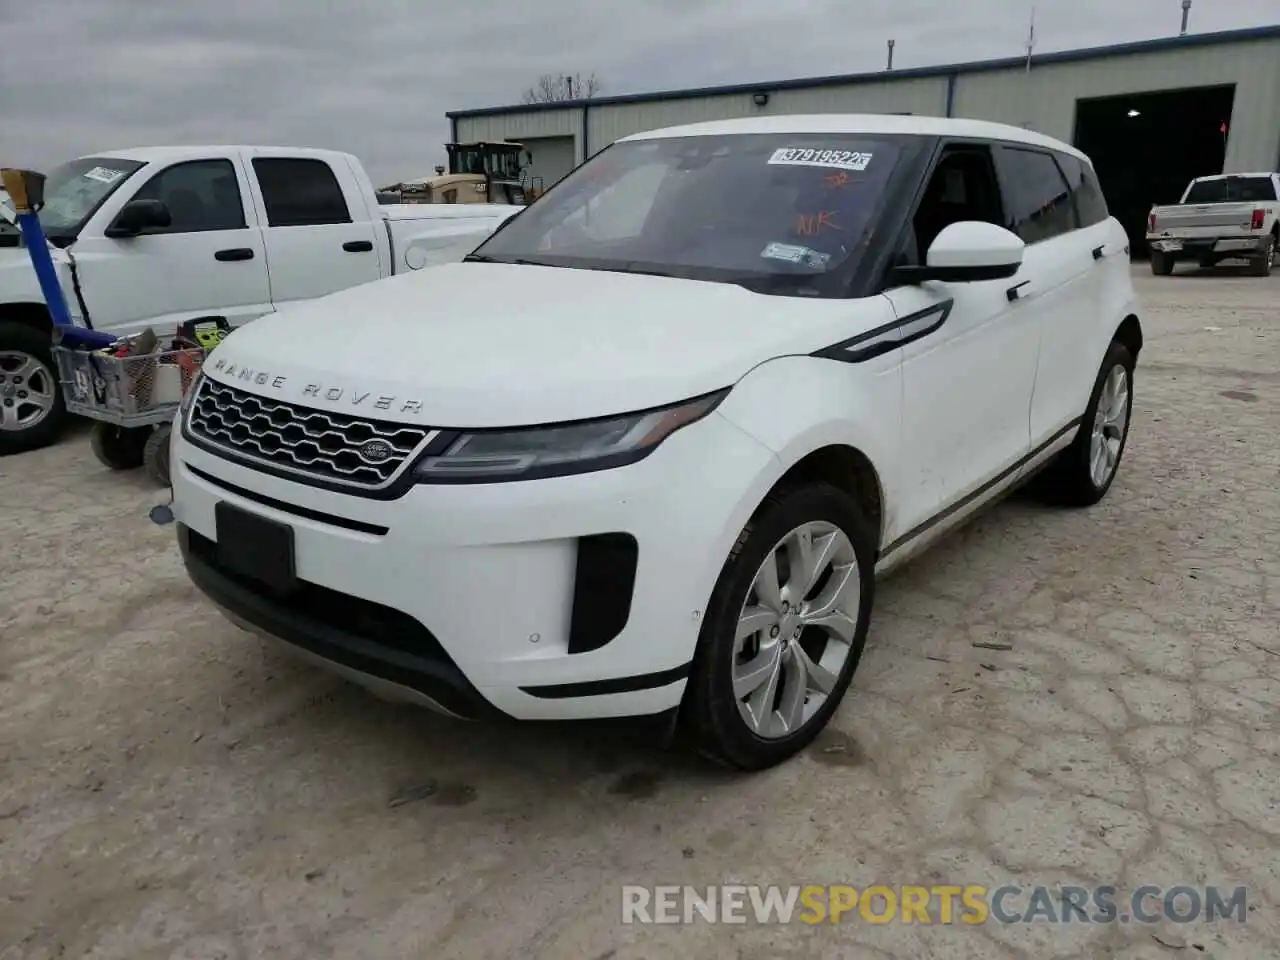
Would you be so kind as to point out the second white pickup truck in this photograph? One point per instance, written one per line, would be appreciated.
(1229, 216)
(154, 236)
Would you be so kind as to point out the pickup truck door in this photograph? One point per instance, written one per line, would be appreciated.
(210, 260)
(319, 233)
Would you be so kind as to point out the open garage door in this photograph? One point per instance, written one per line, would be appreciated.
(553, 157)
(1146, 147)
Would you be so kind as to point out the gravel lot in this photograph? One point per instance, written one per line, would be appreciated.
(171, 788)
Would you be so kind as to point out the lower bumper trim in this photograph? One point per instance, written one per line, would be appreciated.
(599, 688)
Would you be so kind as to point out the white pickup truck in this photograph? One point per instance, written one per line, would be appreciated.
(154, 236)
(1230, 216)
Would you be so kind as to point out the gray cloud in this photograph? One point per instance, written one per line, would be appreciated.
(376, 76)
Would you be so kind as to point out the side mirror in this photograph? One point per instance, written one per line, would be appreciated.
(137, 216)
(967, 252)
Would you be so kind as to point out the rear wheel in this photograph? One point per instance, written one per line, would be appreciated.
(784, 630)
(32, 412)
(119, 448)
(1083, 474)
(1161, 263)
(1261, 267)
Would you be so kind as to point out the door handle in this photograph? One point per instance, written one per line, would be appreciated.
(358, 246)
(235, 253)
(1099, 252)
(1014, 292)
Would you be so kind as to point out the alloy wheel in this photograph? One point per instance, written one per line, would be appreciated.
(27, 390)
(1109, 423)
(796, 629)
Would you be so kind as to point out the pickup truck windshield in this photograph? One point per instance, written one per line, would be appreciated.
(1228, 189)
(75, 190)
(775, 210)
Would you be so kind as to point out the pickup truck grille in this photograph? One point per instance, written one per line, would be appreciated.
(316, 444)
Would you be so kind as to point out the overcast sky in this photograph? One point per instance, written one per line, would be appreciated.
(376, 76)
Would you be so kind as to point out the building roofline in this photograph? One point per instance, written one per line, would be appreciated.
(1159, 44)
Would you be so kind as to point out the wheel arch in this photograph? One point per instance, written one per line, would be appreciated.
(28, 313)
(1129, 333)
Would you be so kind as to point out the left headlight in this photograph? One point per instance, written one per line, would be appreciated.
(529, 453)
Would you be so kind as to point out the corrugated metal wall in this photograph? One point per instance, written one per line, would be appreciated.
(1045, 99)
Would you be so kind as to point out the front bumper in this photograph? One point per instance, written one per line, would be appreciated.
(576, 597)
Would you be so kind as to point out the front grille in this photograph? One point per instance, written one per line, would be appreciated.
(316, 443)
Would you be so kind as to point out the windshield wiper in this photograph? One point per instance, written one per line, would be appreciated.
(521, 261)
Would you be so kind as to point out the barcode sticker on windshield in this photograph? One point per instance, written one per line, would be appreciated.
(832, 159)
(104, 174)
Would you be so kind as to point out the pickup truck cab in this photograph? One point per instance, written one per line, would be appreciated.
(155, 236)
(1230, 216)
(644, 452)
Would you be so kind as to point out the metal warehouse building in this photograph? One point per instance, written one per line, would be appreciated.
(1152, 114)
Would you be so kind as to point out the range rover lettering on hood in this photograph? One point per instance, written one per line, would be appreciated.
(359, 399)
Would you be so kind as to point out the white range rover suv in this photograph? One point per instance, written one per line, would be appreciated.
(644, 452)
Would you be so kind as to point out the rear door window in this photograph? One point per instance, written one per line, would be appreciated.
(300, 192)
(1037, 198)
(1086, 193)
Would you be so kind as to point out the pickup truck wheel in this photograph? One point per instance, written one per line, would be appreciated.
(1083, 473)
(1161, 263)
(1263, 264)
(119, 448)
(32, 411)
(784, 629)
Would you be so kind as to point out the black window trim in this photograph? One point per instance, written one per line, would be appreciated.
(328, 167)
(171, 231)
(1066, 185)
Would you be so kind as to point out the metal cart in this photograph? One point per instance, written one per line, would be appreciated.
(133, 400)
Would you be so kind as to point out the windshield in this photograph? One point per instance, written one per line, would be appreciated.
(738, 208)
(73, 191)
(1239, 189)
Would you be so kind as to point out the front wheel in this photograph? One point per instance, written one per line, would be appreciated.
(784, 629)
(1083, 473)
(119, 448)
(32, 411)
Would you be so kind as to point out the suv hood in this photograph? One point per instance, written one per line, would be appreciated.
(497, 345)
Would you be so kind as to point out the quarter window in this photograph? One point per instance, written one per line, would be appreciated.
(201, 195)
(1038, 200)
(1091, 205)
(300, 193)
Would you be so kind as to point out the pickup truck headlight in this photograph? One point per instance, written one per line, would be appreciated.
(529, 453)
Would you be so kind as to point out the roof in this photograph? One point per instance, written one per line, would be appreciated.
(1160, 44)
(164, 154)
(871, 123)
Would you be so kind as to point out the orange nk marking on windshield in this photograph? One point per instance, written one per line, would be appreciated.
(837, 179)
(812, 224)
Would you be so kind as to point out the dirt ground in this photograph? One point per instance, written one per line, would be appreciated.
(170, 788)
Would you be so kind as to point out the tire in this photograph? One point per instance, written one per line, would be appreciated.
(713, 713)
(1161, 263)
(1071, 480)
(1261, 267)
(119, 448)
(32, 411)
(155, 454)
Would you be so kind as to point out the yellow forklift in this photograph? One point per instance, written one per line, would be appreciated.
(479, 172)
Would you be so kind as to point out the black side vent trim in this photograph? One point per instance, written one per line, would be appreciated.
(891, 336)
(603, 585)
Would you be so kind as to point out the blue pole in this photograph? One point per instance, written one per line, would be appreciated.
(38, 250)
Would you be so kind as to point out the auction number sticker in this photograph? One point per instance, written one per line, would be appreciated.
(104, 174)
(832, 159)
